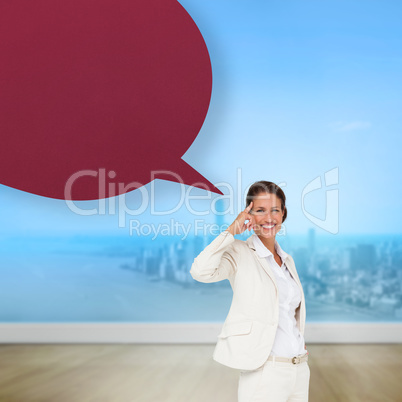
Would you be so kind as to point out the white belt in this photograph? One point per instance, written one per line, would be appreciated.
(294, 360)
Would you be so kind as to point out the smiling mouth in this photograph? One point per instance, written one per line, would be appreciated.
(268, 226)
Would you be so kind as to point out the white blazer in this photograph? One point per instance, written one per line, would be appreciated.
(249, 330)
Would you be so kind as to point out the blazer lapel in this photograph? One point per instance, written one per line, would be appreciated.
(291, 267)
(288, 262)
(262, 261)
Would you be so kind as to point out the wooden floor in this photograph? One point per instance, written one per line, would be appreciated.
(183, 373)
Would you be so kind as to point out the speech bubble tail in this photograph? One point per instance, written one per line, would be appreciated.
(183, 173)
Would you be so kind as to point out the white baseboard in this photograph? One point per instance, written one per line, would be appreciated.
(184, 332)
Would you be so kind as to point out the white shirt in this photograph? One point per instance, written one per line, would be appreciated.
(289, 341)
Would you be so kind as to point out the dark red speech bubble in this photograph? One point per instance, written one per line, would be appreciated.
(85, 85)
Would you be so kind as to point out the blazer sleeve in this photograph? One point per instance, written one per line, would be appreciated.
(217, 261)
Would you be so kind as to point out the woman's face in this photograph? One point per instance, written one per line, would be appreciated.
(267, 215)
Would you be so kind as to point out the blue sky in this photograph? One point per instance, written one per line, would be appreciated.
(299, 88)
(317, 82)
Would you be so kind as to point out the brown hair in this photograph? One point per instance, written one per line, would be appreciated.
(263, 186)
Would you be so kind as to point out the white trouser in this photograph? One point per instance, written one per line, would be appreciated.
(275, 382)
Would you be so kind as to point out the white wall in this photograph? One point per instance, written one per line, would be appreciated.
(185, 333)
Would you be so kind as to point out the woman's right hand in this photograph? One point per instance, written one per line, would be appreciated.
(239, 225)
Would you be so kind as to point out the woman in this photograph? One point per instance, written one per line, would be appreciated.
(263, 332)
